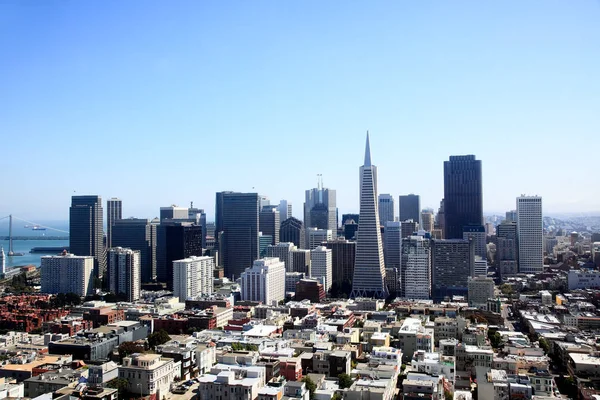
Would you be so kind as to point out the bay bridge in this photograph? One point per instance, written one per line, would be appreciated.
(31, 225)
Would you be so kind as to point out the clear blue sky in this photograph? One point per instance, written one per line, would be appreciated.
(166, 102)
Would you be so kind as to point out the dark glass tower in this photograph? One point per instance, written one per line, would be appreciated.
(178, 240)
(86, 235)
(138, 234)
(292, 231)
(463, 195)
(238, 218)
(410, 208)
(114, 212)
(269, 223)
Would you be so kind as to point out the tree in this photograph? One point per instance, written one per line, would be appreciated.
(310, 385)
(129, 348)
(122, 385)
(448, 395)
(544, 345)
(158, 338)
(345, 381)
(336, 396)
(495, 339)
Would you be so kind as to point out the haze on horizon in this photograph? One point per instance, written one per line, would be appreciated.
(166, 103)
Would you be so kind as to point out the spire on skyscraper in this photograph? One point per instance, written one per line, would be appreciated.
(367, 152)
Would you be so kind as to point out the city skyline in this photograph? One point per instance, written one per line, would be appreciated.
(245, 75)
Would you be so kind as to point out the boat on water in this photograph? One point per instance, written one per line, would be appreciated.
(15, 254)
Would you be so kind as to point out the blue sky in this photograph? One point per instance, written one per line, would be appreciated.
(168, 102)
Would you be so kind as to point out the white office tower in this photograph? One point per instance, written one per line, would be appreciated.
(316, 237)
(479, 267)
(386, 208)
(67, 273)
(285, 210)
(415, 270)
(428, 220)
(283, 251)
(369, 266)
(193, 276)
(392, 247)
(530, 231)
(2, 261)
(321, 266)
(124, 272)
(264, 281)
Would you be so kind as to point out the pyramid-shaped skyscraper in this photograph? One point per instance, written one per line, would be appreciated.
(369, 267)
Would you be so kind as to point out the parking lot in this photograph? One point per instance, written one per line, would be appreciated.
(191, 393)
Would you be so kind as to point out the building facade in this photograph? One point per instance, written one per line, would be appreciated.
(292, 231)
(124, 272)
(386, 208)
(410, 208)
(138, 234)
(415, 269)
(283, 251)
(530, 229)
(264, 281)
(67, 273)
(321, 266)
(452, 263)
(86, 231)
(193, 276)
(342, 261)
(269, 223)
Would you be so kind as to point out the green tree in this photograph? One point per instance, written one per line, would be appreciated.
(129, 348)
(72, 299)
(345, 381)
(495, 339)
(310, 385)
(336, 396)
(448, 395)
(158, 338)
(506, 289)
(544, 345)
(122, 385)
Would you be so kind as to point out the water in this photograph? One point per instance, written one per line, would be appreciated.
(23, 246)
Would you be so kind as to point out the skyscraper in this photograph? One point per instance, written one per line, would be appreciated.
(427, 220)
(452, 263)
(506, 248)
(386, 208)
(193, 276)
(176, 241)
(410, 208)
(264, 281)
(285, 210)
(240, 227)
(283, 251)
(316, 237)
(343, 253)
(67, 273)
(320, 208)
(392, 249)
(114, 212)
(138, 234)
(269, 223)
(301, 261)
(530, 228)
(174, 212)
(2, 261)
(321, 266)
(463, 196)
(369, 269)
(477, 233)
(124, 272)
(86, 237)
(511, 216)
(415, 268)
(292, 230)
(408, 228)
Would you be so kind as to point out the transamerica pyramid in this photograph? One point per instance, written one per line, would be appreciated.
(369, 267)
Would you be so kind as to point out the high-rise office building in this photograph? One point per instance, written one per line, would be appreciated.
(427, 220)
(507, 251)
(292, 230)
(264, 281)
(321, 266)
(316, 237)
(86, 237)
(415, 269)
(479, 236)
(369, 269)
(440, 220)
(193, 276)
(283, 251)
(480, 290)
(285, 210)
(452, 263)
(530, 228)
(67, 273)
(174, 212)
(320, 208)
(463, 195)
(479, 266)
(301, 261)
(176, 241)
(408, 228)
(410, 208)
(124, 272)
(264, 241)
(392, 249)
(350, 228)
(342, 258)
(511, 216)
(198, 216)
(386, 208)
(240, 227)
(138, 234)
(114, 212)
(269, 223)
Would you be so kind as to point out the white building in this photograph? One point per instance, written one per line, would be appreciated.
(583, 279)
(124, 269)
(479, 267)
(2, 261)
(148, 374)
(193, 276)
(480, 290)
(315, 237)
(530, 234)
(285, 210)
(264, 281)
(433, 364)
(239, 384)
(415, 270)
(321, 266)
(386, 208)
(67, 273)
(283, 251)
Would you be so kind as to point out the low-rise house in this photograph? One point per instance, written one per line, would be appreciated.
(148, 374)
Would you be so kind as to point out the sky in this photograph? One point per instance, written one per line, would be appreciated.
(162, 103)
